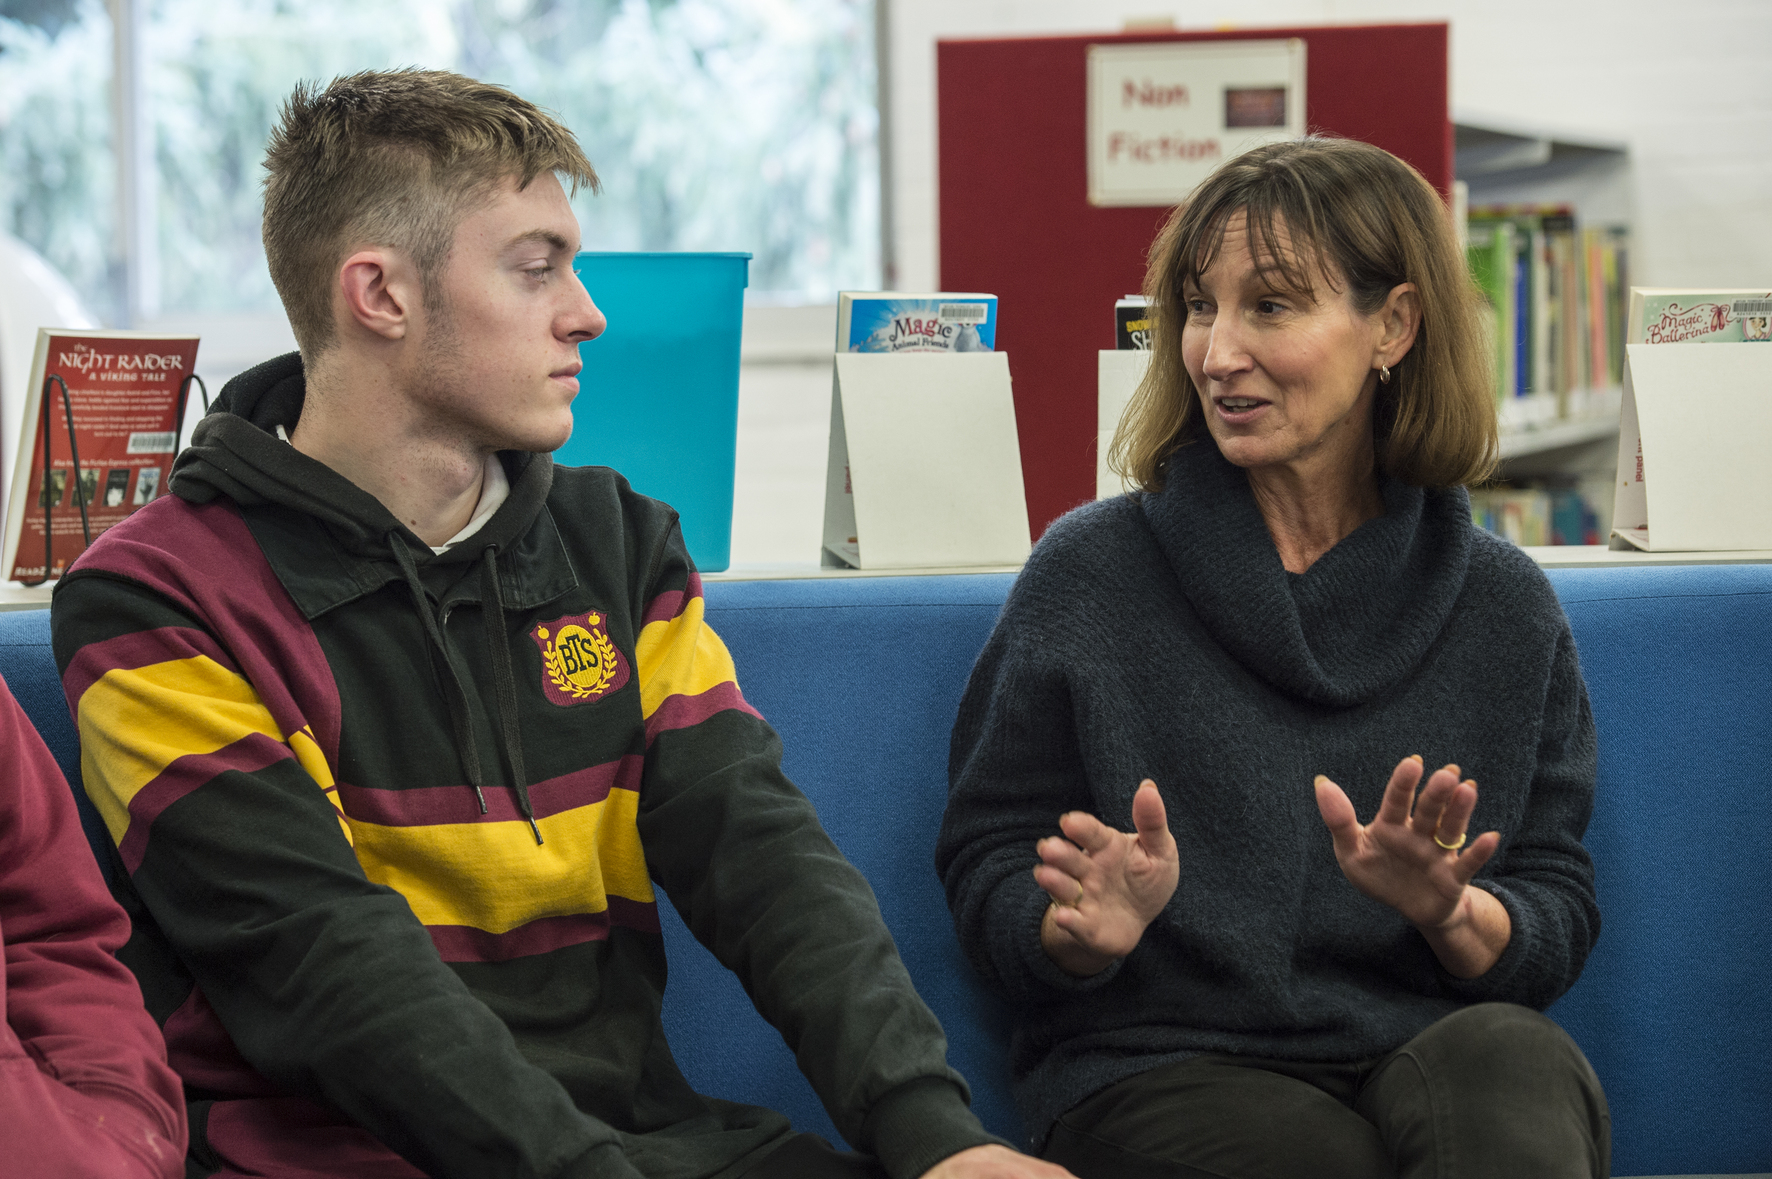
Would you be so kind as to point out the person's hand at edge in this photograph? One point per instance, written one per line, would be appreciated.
(1106, 885)
(1409, 857)
(994, 1162)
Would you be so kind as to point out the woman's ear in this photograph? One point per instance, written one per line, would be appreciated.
(1399, 322)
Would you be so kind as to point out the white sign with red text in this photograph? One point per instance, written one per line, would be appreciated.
(1164, 114)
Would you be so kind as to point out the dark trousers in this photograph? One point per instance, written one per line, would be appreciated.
(1494, 1090)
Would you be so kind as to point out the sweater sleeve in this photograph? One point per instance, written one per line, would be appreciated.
(325, 982)
(740, 852)
(67, 1002)
(1543, 875)
(1014, 767)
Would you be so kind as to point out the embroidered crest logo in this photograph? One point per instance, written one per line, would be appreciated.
(578, 661)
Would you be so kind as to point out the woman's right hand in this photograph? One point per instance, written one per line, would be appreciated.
(1105, 885)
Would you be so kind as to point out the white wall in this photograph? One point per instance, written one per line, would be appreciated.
(1685, 84)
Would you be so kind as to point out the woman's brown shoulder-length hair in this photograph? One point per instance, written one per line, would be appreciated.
(1359, 216)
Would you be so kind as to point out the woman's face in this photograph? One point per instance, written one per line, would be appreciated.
(1284, 379)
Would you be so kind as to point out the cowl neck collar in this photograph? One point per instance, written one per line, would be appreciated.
(1355, 623)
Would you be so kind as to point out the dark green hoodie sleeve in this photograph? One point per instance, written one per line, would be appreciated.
(741, 854)
(254, 916)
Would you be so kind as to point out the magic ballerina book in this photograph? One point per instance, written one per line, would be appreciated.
(1665, 315)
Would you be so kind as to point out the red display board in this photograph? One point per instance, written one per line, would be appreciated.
(1016, 221)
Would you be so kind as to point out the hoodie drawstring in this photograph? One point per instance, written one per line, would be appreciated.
(504, 681)
(453, 693)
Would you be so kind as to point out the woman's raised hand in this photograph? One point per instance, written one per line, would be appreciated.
(1409, 858)
(1105, 885)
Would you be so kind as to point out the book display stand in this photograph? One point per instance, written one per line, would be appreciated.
(1691, 481)
(81, 497)
(1118, 374)
(123, 397)
(924, 469)
(55, 379)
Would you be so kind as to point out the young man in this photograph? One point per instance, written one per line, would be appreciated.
(396, 724)
(84, 1088)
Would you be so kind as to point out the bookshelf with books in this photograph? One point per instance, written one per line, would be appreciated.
(1549, 243)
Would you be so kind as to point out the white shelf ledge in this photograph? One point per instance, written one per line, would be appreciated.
(1485, 145)
(792, 572)
(14, 596)
(1593, 556)
(1516, 443)
(1535, 428)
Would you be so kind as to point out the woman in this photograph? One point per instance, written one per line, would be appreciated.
(1154, 844)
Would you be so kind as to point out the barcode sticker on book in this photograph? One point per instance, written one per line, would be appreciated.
(1746, 307)
(152, 443)
(963, 312)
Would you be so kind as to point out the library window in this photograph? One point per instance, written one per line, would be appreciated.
(131, 131)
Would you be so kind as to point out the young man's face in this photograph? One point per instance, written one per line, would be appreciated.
(498, 362)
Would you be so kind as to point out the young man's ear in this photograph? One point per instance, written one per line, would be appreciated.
(380, 291)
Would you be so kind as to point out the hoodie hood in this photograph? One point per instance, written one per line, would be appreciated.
(1354, 624)
(235, 452)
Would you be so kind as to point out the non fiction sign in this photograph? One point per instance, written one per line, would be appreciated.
(1164, 115)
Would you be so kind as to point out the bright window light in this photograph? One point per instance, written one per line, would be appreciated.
(715, 124)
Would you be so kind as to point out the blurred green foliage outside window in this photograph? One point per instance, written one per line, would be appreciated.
(715, 124)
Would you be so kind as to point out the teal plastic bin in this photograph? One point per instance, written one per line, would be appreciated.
(658, 397)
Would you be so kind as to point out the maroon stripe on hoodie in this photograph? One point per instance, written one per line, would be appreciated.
(144, 648)
(204, 559)
(293, 1138)
(682, 712)
(424, 806)
(200, 1050)
(464, 943)
(249, 754)
(671, 603)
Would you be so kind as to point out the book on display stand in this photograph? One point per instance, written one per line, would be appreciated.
(103, 414)
(1118, 373)
(1697, 419)
(924, 467)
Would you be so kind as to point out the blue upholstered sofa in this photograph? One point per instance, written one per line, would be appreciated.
(862, 675)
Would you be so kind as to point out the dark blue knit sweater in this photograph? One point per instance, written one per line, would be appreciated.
(1160, 636)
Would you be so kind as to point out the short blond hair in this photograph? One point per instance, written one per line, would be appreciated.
(1369, 219)
(397, 158)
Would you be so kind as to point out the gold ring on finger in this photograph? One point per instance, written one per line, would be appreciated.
(1454, 845)
(1079, 901)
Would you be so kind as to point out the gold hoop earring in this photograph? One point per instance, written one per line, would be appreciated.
(1384, 374)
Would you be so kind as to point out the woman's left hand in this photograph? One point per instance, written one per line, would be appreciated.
(1408, 857)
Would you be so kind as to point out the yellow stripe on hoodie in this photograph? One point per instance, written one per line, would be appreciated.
(681, 656)
(493, 876)
(135, 722)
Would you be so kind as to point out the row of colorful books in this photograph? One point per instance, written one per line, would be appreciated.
(1557, 294)
(1529, 515)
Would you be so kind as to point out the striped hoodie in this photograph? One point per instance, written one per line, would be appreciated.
(389, 827)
